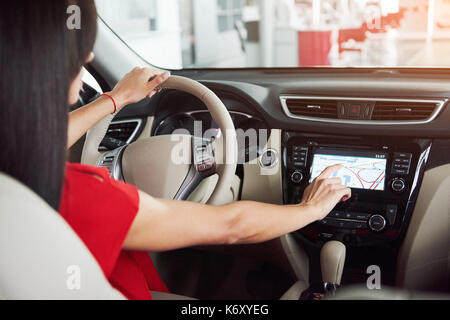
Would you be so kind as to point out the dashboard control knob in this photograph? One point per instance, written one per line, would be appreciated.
(297, 176)
(398, 185)
(268, 159)
(377, 222)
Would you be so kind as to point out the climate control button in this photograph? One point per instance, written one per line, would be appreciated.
(297, 176)
(398, 185)
(377, 223)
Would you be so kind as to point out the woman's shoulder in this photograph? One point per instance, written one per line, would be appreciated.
(85, 182)
(85, 170)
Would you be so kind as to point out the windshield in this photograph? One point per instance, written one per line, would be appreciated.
(178, 34)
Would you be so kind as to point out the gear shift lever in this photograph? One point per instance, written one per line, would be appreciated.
(332, 259)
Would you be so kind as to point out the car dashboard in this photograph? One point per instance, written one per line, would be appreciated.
(396, 119)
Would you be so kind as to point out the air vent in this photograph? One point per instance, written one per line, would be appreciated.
(324, 109)
(361, 110)
(398, 111)
(120, 133)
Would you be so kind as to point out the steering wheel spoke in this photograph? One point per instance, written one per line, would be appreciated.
(112, 161)
(203, 166)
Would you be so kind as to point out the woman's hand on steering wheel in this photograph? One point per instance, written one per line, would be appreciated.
(324, 192)
(138, 84)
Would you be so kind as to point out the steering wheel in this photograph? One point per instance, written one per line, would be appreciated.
(172, 166)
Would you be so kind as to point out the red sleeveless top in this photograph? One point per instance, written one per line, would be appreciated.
(101, 211)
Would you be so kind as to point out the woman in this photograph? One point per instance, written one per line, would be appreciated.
(41, 62)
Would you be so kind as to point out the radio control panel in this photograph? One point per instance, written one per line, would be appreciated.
(383, 174)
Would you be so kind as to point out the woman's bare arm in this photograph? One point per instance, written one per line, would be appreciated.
(162, 225)
(134, 87)
(82, 119)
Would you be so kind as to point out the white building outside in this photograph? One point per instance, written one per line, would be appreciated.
(265, 33)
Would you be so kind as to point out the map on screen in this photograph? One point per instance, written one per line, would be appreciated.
(358, 172)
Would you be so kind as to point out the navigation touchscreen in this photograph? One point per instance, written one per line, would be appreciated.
(362, 169)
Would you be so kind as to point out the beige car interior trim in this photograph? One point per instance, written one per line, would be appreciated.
(41, 257)
(264, 184)
(423, 262)
(332, 260)
(204, 190)
(297, 257)
(295, 291)
(146, 132)
(94, 137)
(147, 164)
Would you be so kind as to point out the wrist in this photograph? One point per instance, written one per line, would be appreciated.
(119, 99)
(313, 210)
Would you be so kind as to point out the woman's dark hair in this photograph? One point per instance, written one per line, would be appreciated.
(39, 59)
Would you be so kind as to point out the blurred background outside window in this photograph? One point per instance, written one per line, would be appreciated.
(177, 34)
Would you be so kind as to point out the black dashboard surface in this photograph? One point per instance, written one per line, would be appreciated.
(258, 91)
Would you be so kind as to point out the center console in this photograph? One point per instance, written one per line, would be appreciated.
(384, 174)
